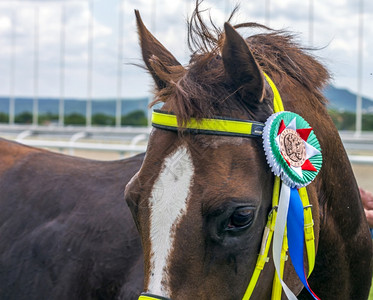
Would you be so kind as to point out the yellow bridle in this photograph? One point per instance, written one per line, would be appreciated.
(269, 229)
(220, 126)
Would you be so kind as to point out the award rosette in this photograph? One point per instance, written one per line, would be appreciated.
(292, 149)
(294, 154)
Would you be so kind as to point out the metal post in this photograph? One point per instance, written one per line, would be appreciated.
(153, 16)
(360, 69)
(35, 107)
(226, 7)
(12, 70)
(89, 68)
(61, 108)
(267, 12)
(118, 108)
(186, 33)
(310, 23)
(153, 29)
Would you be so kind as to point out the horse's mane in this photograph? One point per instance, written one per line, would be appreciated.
(201, 89)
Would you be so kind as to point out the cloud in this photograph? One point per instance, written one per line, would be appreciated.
(22, 14)
(335, 28)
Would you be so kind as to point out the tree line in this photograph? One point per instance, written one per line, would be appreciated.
(342, 120)
(134, 118)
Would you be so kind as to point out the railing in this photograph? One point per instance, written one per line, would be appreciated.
(132, 148)
(361, 159)
(131, 140)
(123, 140)
(71, 146)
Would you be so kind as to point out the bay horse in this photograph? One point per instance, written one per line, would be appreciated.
(200, 200)
(65, 230)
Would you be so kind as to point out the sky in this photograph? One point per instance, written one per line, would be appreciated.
(35, 62)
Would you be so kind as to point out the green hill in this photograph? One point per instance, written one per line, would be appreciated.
(343, 100)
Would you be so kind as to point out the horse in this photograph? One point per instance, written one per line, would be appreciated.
(202, 196)
(65, 230)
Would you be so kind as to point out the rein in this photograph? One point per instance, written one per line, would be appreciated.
(287, 189)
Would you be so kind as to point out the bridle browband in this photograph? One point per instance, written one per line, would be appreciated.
(245, 128)
(213, 126)
(217, 125)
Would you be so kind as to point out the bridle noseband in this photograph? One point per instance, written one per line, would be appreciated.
(147, 296)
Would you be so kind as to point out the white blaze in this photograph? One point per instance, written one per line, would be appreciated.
(168, 202)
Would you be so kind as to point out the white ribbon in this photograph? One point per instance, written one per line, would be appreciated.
(278, 235)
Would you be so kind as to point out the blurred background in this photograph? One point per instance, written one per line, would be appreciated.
(69, 80)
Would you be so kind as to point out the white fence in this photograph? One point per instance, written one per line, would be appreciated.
(131, 140)
(123, 140)
(134, 148)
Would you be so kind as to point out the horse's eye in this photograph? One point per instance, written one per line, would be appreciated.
(241, 218)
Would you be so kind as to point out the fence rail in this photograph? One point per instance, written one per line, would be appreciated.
(131, 140)
(133, 148)
(57, 132)
(122, 149)
(122, 140)
(361, 159)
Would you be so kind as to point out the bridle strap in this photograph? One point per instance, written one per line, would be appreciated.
(277, 101)
(309, 235)
(266, 241)
(269, 229)
(148, 296)
(216, 125)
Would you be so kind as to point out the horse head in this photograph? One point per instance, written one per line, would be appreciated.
(201, 201)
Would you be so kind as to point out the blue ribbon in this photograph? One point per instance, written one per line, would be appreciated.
(295, 233)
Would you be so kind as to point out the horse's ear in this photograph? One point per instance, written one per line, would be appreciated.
(241, 66)
(154, 53)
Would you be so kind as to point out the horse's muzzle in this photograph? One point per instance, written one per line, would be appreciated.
(147, 296)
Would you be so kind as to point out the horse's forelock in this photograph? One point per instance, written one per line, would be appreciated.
(202, 89)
